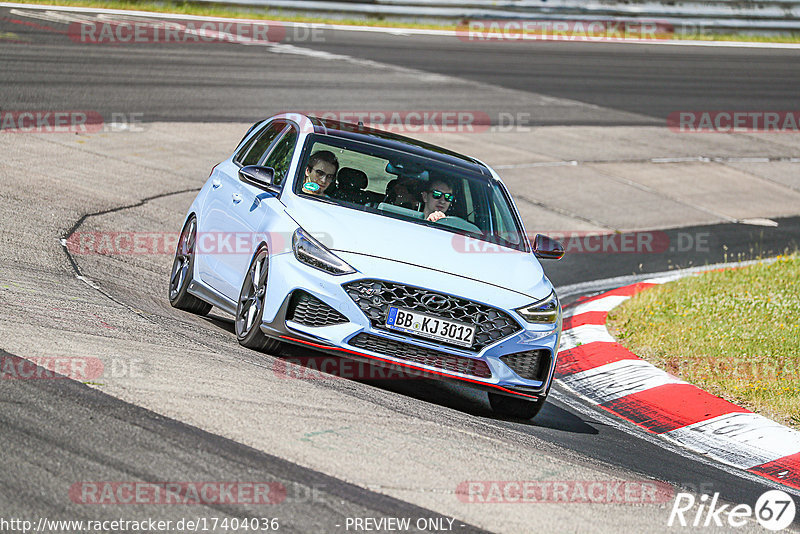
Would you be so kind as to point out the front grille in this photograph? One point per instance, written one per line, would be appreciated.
(530, 365)
(421, 355)
(308, 310)
(374, 297)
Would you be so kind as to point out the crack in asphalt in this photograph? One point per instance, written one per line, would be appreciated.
(80, 276)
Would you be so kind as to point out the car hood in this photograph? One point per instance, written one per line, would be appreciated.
(367, 234)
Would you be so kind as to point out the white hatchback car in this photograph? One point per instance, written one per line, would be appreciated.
(369, 245)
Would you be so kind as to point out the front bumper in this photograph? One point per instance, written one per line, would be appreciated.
(483, 369)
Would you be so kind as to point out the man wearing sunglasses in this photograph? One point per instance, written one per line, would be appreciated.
(436, 200)
(320, 172)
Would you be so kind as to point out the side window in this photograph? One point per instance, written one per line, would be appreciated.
(281, 156)
(247, 146)
(252, 153)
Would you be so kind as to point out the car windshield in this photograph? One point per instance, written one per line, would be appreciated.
(396, 184)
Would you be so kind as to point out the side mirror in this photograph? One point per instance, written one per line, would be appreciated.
(546, 248)
(259, 176)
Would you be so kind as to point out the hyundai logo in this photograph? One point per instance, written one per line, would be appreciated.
(435, 302)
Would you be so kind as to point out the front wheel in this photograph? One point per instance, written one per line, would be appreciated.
(182, 269)
(516, 407)
(250, 307)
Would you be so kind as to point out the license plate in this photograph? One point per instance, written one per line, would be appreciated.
(412, 322)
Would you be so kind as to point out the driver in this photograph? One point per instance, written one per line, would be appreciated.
(436, 200)
(320, 172)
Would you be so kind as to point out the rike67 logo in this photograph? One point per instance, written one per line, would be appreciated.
(774, 510)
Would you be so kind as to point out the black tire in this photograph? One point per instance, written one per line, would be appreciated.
(250, 306)
(181, 274)
(516, 407)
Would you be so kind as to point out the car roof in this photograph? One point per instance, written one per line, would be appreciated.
(365, 134)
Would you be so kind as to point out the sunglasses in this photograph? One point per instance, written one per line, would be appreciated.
(321, 174)
(438, 194)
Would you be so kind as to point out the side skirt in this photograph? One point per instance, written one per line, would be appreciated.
(203, 292)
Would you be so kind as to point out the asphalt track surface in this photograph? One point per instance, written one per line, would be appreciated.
(200, 82)
(45, 450)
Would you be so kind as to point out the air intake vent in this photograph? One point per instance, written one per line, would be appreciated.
(531, 365)
(308, 310)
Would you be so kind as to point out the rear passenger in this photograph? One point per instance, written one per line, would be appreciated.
(350, 185)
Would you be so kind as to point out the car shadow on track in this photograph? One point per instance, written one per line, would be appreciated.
(220, 321)
(555, 417)
(307, 364)
(474, 402)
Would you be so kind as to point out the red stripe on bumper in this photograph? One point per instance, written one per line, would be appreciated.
(416, 368)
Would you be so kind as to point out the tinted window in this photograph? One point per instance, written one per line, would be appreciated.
(281, 156)
(255, 148)
(479, 208)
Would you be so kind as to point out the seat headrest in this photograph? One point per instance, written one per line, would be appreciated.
(349, 178)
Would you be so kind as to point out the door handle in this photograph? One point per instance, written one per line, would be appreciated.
(236, 198)
(215, 183)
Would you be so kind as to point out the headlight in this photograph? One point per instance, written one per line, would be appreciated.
(311, 252)
(544, 311)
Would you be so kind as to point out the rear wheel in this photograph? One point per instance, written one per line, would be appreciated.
(182, 269)
(515, 406)
(250, 308)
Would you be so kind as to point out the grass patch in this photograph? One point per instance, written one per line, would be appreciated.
(741, 37)
(734, 333)
(262, 13)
